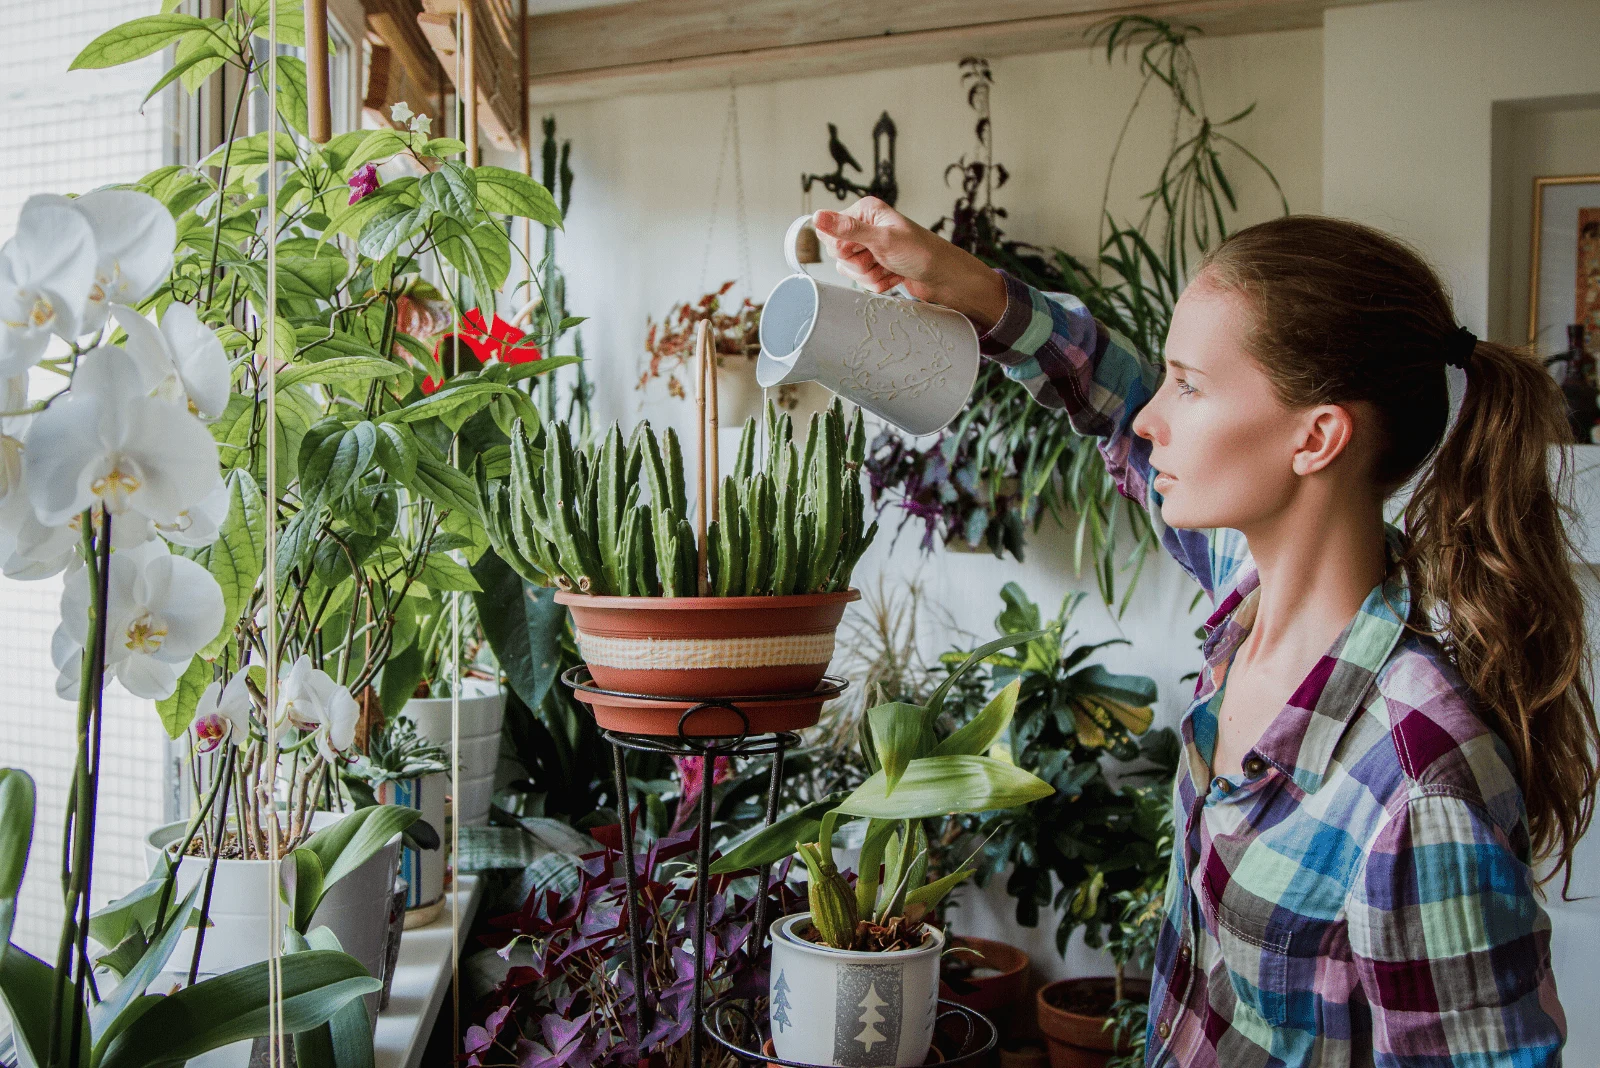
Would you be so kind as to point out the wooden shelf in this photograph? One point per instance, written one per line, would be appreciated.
(651, 46)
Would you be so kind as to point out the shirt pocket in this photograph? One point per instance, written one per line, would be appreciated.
(1255, 953)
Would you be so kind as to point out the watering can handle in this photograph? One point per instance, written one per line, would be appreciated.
(792, 256)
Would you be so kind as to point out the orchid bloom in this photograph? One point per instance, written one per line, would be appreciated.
(28, 548)
(134, 238)
(223, 713)
(364, 181)
(46, 273)
(310, 700)
(161, 610)
(198, 525)
(109, 443)
(182, 361)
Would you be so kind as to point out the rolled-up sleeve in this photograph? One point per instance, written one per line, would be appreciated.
(1451, 945)
(1069, 360)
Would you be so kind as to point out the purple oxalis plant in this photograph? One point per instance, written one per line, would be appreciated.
(570, 999)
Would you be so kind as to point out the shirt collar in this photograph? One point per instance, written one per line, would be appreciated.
(1301, 739)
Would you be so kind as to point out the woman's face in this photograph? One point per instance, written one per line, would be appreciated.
(1229, 453)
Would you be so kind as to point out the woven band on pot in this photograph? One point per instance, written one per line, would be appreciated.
(671, 654)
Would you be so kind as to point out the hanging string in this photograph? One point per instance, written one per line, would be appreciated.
(466, 83)
(730, 142)
(275, 1029)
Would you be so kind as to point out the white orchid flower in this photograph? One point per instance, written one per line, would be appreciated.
(310, 700)
(222, 714)
(198, 525)
(181, 361)
(400, 112)
(28, 548)
(46, 272)
(109, 443)
(134, 238)
(162, 609)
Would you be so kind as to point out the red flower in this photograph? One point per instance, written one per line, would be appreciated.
(498, 341)
(364, 181)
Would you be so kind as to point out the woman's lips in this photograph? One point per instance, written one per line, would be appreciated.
(1163, 482)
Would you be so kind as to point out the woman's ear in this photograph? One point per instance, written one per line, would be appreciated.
(1328, 429)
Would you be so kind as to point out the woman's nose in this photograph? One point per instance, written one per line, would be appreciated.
(1149, 425)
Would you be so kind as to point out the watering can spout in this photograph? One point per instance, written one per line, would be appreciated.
(910, 363)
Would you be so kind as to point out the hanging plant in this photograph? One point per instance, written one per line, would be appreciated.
(669, 344)
(1008, 461)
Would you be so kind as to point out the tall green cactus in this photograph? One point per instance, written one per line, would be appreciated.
(614, 518)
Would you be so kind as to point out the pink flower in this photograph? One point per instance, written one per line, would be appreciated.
(364, 181)
(691, 772)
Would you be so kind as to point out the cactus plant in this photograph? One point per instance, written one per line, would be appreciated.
(790, 521)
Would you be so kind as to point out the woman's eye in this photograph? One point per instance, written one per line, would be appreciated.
(1184, 388)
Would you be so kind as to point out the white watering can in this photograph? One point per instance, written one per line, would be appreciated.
(905, 361)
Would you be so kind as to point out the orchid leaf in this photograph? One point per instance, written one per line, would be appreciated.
(900, 734)
(350, 843)
(767, 845)
(17, 802)
(143, 973)
(944, 786)
(978, 734)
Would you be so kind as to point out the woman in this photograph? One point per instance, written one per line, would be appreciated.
(1389, 729)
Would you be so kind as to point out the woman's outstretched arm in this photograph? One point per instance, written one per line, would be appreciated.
(1049, 342)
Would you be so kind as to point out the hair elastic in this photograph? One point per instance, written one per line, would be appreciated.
(1459, 349)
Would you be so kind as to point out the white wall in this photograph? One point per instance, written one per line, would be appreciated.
(643, 207)
(1411, 90)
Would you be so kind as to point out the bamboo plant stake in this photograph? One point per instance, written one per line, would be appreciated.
(702, 583)
(320, 117)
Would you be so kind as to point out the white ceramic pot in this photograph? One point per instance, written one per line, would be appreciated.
(483, 707)
(857, 1010)
(422, 870)
(905, 361)
(355, 908)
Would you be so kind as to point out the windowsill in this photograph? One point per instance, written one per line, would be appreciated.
(421, 984)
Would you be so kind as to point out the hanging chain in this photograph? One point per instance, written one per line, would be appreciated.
(730, 137)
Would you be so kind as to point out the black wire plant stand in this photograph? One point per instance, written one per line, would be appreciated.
(731, 1019)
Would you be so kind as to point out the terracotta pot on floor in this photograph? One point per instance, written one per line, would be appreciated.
(996, 996)
(1078, 1038)
(699, 647)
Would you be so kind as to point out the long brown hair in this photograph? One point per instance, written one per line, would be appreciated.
(1342, 313)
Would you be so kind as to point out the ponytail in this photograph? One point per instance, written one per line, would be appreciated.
(1344, 313)
(1491, 566)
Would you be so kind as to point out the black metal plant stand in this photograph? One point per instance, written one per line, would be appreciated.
(708, 749)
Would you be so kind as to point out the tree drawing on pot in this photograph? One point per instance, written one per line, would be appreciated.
(750, 608)
(861, 966)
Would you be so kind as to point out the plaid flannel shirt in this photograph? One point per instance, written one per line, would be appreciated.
(1362, 893)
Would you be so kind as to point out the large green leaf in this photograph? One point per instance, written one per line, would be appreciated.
(976, 736)
(16, 838)
(142, 974)
(338, 369)
(291, 20)
(524, 626)
(177, 710)
(25, 985)
(506, 192)
(252, 151)
(345, 1041)
(900, 734)
(308, 879)
(138, 38)
(382, 145)
(445, 485)
(767, 845)
(974, 658)
(292, 102)
(944, 786)
(351, 842)
(235, 560)
(1134, 690)
(234, 1007)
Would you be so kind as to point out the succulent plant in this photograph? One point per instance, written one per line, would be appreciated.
(576, 516)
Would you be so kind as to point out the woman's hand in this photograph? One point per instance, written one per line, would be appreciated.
(880, 248)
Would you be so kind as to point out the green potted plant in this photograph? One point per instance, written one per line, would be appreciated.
(855, 979)
(403, 768)
(751, 609)
(1091, 844)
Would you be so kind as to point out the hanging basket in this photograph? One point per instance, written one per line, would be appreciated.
(695, 648)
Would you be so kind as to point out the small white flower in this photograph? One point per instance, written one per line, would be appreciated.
(182, 361)
(309, 699)
(109, 443)
(162, 609)
(222, 713)
(200, 524)
(400, 112)
(422, 125)
(134, 237)
(46, 272)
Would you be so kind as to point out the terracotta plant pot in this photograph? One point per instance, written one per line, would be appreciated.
(996, 996)
(699, 647)
(1077, 1038)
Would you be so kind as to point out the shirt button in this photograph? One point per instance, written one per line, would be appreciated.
(1163, 1030)
(1183, 954)
(1254, 766)
(1223, 786)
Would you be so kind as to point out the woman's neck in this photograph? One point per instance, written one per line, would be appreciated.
(1317, 563)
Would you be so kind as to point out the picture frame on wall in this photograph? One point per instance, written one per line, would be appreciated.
(1564, 282)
